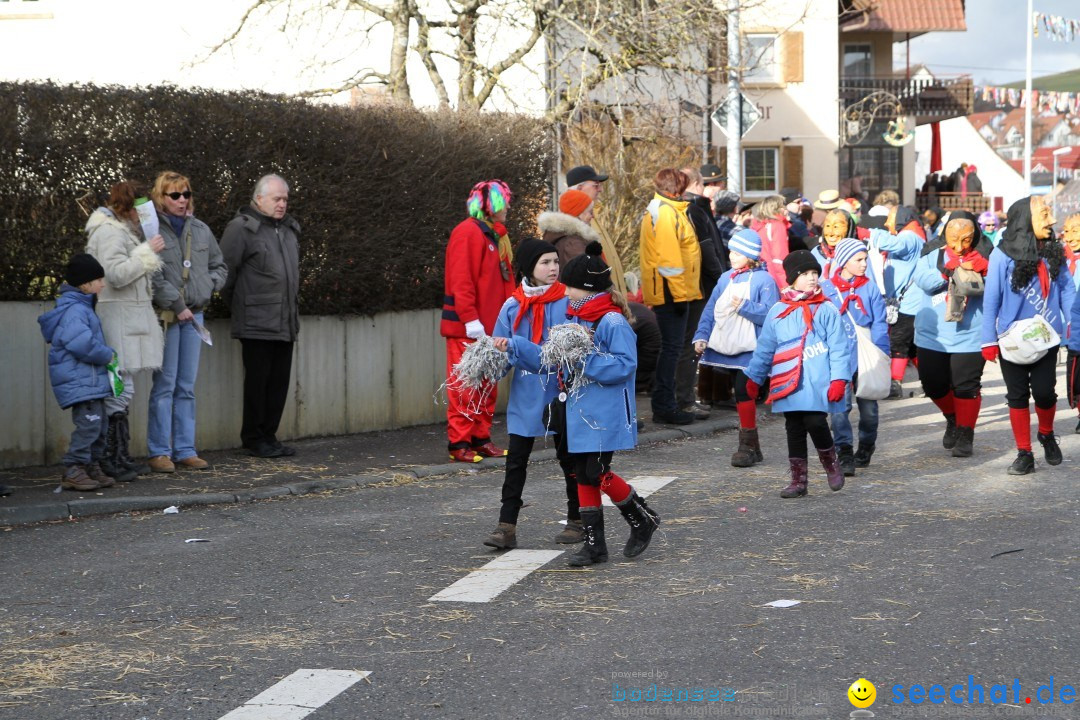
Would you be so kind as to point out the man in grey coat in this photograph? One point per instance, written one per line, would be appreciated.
(261, 248)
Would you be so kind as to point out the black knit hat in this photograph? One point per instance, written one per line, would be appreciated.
(798, 262)
(81, 269)
(588, 271)
(528, 253)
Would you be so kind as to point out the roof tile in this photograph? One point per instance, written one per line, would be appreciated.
(915, 16)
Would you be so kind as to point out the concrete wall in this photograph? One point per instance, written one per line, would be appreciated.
(350, 374)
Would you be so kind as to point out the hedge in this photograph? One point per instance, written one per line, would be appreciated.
(377, 189)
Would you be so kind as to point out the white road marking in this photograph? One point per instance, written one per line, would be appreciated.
(485, 584)
(645, 485)
(297, 695)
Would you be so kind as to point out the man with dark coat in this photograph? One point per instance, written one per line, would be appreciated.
(261, 248)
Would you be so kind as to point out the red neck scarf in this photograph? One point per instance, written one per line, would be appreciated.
(536, 304)
(826, 249)
(845, 286)
(594, 308)
(1071, 257)
(1044, 278)
(978, 263)
(785, 381)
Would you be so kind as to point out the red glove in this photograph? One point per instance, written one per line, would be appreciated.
(837, 388)
(990, 353)
(752, 389)
(862, 233)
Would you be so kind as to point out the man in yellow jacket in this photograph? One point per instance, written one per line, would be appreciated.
(670, 279)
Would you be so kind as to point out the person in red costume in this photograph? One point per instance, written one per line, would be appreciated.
(478, 280)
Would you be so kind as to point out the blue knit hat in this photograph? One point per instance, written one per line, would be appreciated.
(845, 250)
(746, 242)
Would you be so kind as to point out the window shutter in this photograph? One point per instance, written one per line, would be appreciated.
(792, 56)
(792, 167)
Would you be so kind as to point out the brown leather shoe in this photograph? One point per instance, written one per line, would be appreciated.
(161, 464)
(98, 475)
(75, 478)
(489, 449)
(193, 463)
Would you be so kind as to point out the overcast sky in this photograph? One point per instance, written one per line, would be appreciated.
(993, 48)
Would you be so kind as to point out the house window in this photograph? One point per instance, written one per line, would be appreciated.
(871, 166)
(858, 61)
(760, 170)
(759, 58)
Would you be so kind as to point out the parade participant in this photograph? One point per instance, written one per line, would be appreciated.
(600, 416)
(771, 223)
(538, 303)
(1028, 288)
(1071, 236)
(478, 281)
(860, 304)
(901, 243)
(948, 327)
(838, 224)
(804, 351)
(934, 221)
(744, 295)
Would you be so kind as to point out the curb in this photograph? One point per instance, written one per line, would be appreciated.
(86, 507)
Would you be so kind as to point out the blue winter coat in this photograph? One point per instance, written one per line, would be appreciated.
(932, 331)
(825, 356)
(78, 355)
(1002, 307)
(873, 318)
(530, 392)
(762, 296)
(824, 262)
(903, 250)
(603, 415)
(1074, 325)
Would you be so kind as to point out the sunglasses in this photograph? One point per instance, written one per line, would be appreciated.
(177, 195)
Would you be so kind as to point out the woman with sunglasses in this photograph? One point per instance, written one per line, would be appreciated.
(192, 271)
(990, 226)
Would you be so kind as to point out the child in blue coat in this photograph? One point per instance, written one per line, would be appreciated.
(950, 357)
(1028, 276)
(600, 416)
(77, 370)
(753, 292)
(860, 303)
(804, 351)
(538, 303)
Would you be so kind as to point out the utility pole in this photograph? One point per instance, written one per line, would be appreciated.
(1029, 26)
(733, 122)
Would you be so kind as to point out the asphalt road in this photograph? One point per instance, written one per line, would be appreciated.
(900, 579)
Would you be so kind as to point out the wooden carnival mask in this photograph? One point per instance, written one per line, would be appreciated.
(835, 227)
(1071, 232)
(1042, 219)
(960, 236)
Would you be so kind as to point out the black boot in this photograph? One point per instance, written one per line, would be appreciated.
(123, 441)
(863, 455)
(643, 522)
(1051, 451)
(847, 459)
(110, 464)
(965, 440)
(594, 549)
(948, 440)
(1024, 463)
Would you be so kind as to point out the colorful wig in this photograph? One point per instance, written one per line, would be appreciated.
(487, 198)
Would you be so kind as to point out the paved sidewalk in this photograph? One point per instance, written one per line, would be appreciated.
(320, 464)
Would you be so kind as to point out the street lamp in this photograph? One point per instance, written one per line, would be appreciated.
(1053, 182)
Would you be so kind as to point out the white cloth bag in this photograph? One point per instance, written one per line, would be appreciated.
(732, 334)
(875, 373)
(1028, 340)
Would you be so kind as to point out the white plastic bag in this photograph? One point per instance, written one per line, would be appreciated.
(1028, 340)
(732, 334)
(875, 374)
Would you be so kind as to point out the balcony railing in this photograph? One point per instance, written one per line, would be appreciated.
(928, 99)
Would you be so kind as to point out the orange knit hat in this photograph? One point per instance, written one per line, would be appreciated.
(574, 202)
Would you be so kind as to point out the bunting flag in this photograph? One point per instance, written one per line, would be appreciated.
(1057, 28)
(1063, 103)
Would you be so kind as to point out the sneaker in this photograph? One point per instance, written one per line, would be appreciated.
(896, 390)
(465, 455)
(193, 463)
(699, 411)
(1051, 450)
(75, 478)
(161, 464)
(678, 417)
(1024, 464)
(489, 449)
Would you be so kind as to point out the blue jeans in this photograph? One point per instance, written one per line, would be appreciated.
(868, 422)
(672, 319)
(171, 429)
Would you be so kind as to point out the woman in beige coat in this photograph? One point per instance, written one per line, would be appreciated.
(126, 310)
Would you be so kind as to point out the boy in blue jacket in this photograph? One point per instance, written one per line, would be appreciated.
(802, 348)
(600, 416)
(77, 370)
(1028, 276)
(860, 304)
